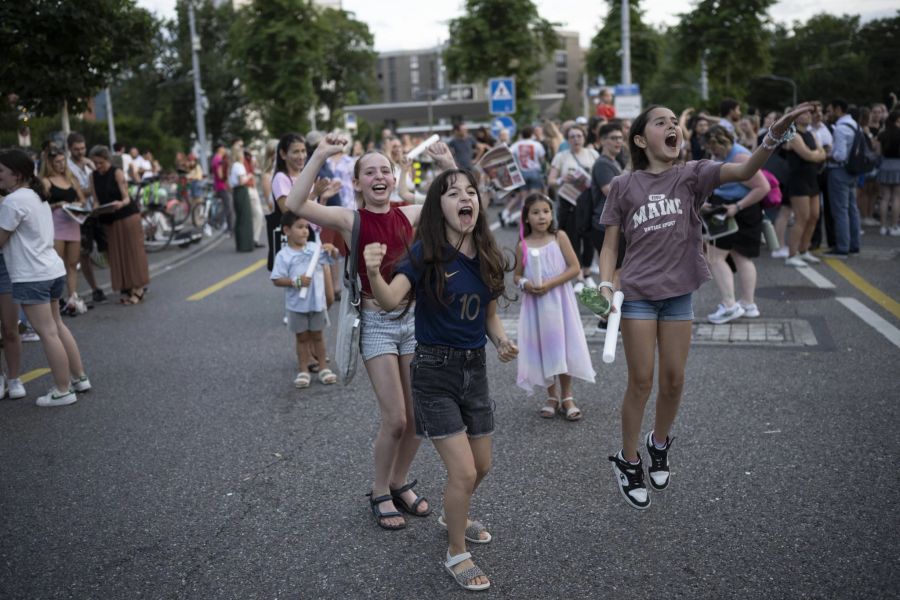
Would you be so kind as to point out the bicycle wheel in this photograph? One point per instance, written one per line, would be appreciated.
(216, 216)
(159, 229)
(198, 215)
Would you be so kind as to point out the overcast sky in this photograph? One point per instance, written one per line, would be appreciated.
(410, 24)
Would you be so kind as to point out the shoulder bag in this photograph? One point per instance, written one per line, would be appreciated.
(346, 352)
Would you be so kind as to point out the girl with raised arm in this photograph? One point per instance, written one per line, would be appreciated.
(656, 208)
(387, 338)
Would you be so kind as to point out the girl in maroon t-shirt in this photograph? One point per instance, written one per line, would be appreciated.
(656, 208)
(387, 339)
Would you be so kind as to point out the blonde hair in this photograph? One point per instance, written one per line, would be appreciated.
(720, 136)
(269, 156)
(47, 170)
(237, 152)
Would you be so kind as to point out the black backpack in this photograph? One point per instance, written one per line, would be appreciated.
(862, 158)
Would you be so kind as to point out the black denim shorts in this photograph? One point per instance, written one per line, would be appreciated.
(450, 392)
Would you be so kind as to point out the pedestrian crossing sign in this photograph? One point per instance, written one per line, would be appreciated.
(502, 95)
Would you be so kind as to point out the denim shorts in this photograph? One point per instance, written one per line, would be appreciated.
(39, 292)
(534, 179)
(450, 392)
(5, 281)
(679, 308)
(382, 332)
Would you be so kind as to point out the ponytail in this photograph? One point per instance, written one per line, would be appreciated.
(22, 165)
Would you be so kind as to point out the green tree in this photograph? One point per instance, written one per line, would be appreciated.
(499, 38)
(292, 57)
(733, 33)
(65, 52)
(604, 55)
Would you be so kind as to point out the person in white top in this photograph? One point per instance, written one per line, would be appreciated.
(38, 274)
(531, 157)
(91, 230)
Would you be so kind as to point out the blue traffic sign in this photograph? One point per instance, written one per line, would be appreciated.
(502, 95)
(504, 122)
(633, 89)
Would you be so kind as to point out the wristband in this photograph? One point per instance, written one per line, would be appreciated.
(522, 282)
(606, 284)
(296, 283)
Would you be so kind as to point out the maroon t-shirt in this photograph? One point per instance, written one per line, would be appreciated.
(660, 216)
(391, 228)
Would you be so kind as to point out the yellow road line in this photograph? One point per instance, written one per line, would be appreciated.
(228, 281)
(32, 375)
(885, 301)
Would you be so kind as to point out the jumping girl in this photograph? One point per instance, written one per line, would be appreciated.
(550, 332)
(657, 207)
(455, 271)
(387, 338)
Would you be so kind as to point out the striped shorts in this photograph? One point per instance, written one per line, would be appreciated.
(383, 332)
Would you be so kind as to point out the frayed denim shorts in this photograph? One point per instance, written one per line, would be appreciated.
(450, 392)
(679, 308)
(383, 332)
(39, 292)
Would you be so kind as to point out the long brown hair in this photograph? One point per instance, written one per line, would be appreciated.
(436, 249)
(639, 160)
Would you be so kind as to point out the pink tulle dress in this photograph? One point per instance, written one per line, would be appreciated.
(550, 336)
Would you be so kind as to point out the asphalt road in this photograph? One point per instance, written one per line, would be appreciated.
(194, 469)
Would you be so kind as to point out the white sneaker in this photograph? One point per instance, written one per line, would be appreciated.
(782, 252)
(751, 311)
(79, 384)
(56, 398)
(724, 315)
(895, 231)
(590, 283)
(795, 261)
(30, 335)
(869, 222)
(810, 258)
(578, 287)
(16, 389)
(884, 231)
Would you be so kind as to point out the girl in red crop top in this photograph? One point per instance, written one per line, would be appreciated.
(386, 339)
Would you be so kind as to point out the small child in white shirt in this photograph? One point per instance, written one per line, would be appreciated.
(306, 313)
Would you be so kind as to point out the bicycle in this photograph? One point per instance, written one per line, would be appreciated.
(209, 216)
(164, 215)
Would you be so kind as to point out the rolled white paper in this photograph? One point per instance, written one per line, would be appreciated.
(422, 147)
(535, 258)
(304, 291)
(612, 328)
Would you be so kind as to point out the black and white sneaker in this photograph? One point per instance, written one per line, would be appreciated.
(659, 463)
(630, 479)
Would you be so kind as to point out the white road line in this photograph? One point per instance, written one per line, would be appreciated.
(872, 318)
(495, 225)
(816, 278)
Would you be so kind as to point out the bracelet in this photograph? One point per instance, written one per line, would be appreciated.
(774, 142)
(522, 282)
(606, 284)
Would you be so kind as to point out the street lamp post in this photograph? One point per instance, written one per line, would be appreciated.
(786, 80)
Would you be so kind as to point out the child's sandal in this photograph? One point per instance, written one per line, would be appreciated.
(327, 377)
(466, 575)
(301, 381)
(548, 411)
(573, 413)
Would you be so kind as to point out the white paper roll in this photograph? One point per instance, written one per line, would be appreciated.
(612, 328)
(422, 147)
(304, 291)
(534, 255)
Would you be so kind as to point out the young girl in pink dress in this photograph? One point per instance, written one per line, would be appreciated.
(551, 339)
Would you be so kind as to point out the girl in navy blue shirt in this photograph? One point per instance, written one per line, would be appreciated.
(456, 273)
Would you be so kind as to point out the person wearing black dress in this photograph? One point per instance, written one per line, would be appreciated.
(804, 156)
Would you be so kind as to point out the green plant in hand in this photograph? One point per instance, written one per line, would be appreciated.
(594, 301)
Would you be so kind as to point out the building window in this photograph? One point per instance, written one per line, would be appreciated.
(414, 77)
(562, 78)
(561, 59)
(413, 62)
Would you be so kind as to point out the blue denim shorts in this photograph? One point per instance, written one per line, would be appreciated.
(534, 179)
(39, 292)
(450, 392)
(679, 308)
(382, 332)
(5, 281)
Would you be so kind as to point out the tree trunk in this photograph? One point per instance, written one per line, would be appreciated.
(65, 120)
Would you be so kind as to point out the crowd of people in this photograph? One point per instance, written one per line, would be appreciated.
(602, 197)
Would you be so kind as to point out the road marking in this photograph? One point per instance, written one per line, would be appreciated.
(872, 318)
(885, 301)
(228, 281)
(32, 375)
(816, 278)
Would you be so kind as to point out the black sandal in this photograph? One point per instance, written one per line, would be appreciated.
(380, 516)
(400, 502)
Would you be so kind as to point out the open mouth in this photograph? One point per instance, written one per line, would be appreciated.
(672, 140)
(379, 187)
(466, 215)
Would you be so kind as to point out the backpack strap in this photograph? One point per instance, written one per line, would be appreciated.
(351, 265)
